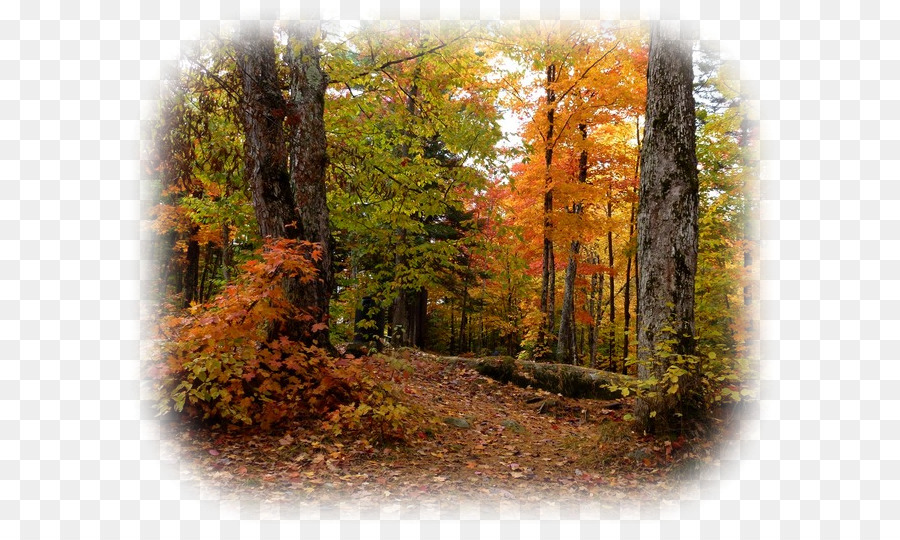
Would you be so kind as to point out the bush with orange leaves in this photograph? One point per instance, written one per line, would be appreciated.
(225, 361)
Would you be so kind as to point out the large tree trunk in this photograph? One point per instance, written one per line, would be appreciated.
(667, 223)
(266, 164)
(265, 148)
(308, 159)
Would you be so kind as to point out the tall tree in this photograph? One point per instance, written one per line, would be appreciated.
(308, 159)
(667, 225)
(288, 202)
(412, 128)
(565, 345)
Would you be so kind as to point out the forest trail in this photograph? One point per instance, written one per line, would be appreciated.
(476, 439)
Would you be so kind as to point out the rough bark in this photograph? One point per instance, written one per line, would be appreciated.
(265, 148)
(667, 220)
(287, 207)
(308, 159)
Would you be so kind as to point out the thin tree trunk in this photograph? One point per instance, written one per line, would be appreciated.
(463, 320)
(667, 226)
(207, 270)
(592, 310)
(627, 322)
(565, 347)
(548, 264)
(227, 252)
(166, 261)
(192, 267)
(611, 336)
(452, 323)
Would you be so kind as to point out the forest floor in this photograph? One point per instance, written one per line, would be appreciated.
(484, 441)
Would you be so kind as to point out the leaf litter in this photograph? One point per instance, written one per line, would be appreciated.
(503, 447)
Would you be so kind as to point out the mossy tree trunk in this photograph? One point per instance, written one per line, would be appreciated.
(308, 159)
(667, 223)
(288, 187)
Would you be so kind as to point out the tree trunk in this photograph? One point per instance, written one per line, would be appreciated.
(265, 148)
(308, 159)
(611, 336)
(463, 345)
(227, 252)
(266, 158)
(667, 224)
(548, 264)
(627, 322)
(368, 321)
(409, 315)
(565, 347)
(450, 344)
(208, 269)
(192, 267)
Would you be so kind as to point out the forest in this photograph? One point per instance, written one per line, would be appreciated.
(379, 242)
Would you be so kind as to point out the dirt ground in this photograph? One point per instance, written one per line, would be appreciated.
(483, 441)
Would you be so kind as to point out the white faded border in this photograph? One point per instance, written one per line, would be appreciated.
(78, 453)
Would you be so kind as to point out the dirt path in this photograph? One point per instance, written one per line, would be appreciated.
(485, 441)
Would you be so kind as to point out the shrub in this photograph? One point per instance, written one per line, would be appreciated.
(226, 362)
(690, 386)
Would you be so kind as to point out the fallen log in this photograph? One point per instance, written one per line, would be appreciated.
(568, 380)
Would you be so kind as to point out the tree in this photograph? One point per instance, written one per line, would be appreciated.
(667, 227)
(288, 202)
(571, 80)
(412, 128)
(306, 128)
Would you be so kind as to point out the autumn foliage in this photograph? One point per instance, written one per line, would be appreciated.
(482, 194)
(227, 360)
